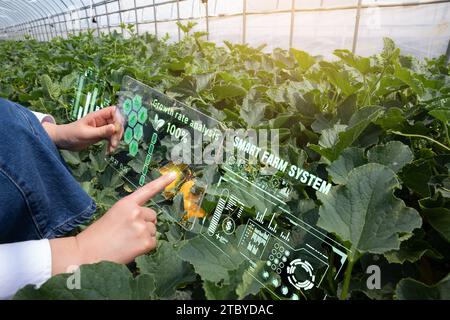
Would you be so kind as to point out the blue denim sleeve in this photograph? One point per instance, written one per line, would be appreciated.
(39, 198)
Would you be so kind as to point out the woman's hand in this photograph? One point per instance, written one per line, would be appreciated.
(126, 231)
(102, 124)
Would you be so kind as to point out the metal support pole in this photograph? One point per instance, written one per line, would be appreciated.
(37, 29)
(207, 19)
(244, 22)
(178, 19)
(88, 19)
(59, 25)
(107, 18)
(120, 16)
(23, 30)
(65, 24)
(33, 31)
(291, 32)
(136, 17)
(154, 19)
(96, 22)
(447, 54)
(43, 31)
(47, 31)
(355, 34)
(50, 27)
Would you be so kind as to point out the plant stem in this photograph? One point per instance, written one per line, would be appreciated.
(420, 136)
(446, 133)
(347, 277)
(348, 274)
(372, 87)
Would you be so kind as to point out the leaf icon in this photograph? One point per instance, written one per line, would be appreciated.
(158, 123)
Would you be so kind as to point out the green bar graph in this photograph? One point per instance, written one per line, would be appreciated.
(78, 97)
(93, 100)
(86, 106)
(89, 89)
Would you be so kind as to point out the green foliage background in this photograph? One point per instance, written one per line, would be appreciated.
(376, 126)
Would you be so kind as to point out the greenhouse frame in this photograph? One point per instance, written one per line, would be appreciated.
(293, 20)
(232, 150)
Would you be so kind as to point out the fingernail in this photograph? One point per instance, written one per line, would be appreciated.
(117, 126)
(172, 175)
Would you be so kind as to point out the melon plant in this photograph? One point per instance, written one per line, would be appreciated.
(375, 127)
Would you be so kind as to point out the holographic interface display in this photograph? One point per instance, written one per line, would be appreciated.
(90, 94)
(234, 205)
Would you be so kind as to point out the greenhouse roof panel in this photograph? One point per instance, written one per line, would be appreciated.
(13, 12)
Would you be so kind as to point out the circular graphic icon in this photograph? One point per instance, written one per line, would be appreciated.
(228, 225)
(305, 271)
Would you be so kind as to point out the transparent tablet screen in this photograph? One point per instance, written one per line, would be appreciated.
(236, 203)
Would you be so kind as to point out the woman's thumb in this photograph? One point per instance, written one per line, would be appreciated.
(105, 131)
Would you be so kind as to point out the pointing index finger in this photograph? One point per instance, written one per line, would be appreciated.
(145, 193)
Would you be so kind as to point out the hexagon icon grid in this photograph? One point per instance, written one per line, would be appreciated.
(137, 116)
(137, 103)
(128, 135)
(127, 106)
(142, 115)
(138, 132)
(132, 119)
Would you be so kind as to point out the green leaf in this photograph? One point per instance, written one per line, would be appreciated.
(441, 114)
(331, 147)
(365, 212)
(98, 161)
(241, 284)
(252, 113)
(68, 81)
(341, 79)
(249, 285)
(221, 290)
(393, 119)
(330, 137)
(349, 159)
(412, 250)
(212, 263)
(166, 269)
(142, 288)
(439, 219)
(228, 91)
(390, 52)
(72, 158)
(304, 60)
(104, 280)
(393, 154)
(347, 108)
(52, 89)
(203, 81)
(416, 176)
(410, 289)
(359, 63)
(408, 78)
